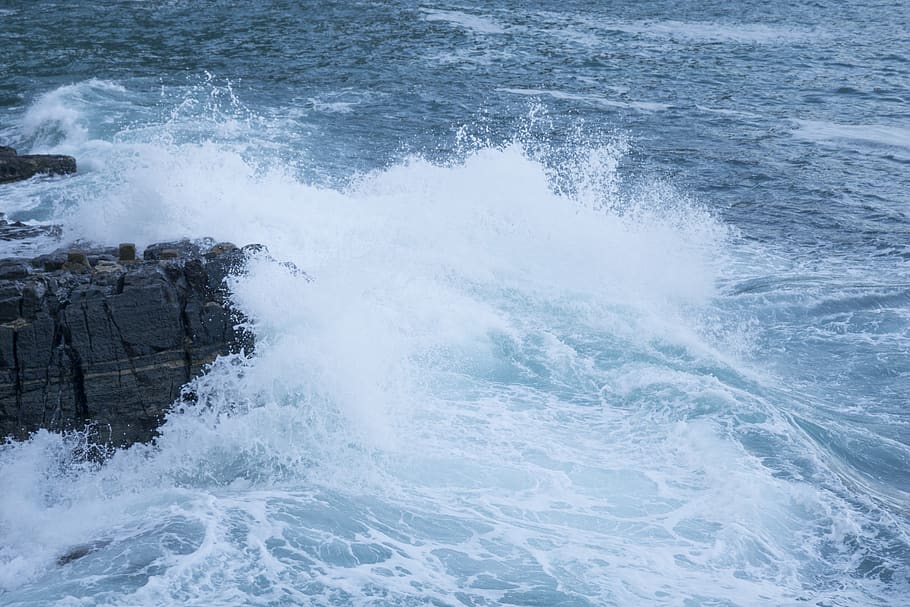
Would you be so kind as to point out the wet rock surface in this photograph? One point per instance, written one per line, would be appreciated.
(14, 167)
(16, 230)
(101, 337)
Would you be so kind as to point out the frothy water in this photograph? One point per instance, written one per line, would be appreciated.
(528, 370)
(487, 387)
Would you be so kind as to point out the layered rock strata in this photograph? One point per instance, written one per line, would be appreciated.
(99, 338)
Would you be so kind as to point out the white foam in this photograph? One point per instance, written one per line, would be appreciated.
(646, 106)
(494, 383)
(853, 134)
(470, 22)
(59, 116)
(726, 112)
(401, 260)
(343, 101)
(333, 107)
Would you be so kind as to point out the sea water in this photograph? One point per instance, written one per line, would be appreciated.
(597, 303)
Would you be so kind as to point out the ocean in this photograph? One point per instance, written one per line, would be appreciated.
(605, 303)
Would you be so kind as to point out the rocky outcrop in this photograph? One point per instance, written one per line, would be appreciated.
(18, 231)
(14, 167)
(98, 337)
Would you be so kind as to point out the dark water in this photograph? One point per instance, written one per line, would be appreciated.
(612, 302)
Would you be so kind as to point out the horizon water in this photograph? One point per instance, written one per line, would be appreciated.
(603, 304)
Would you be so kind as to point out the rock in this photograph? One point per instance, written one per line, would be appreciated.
(220, 249)
(20, 231)
(77, 552)
(106, 266)
(77, 262)
(11, 269)
(77, 257)
(50, 262)
(165, 250)
(126, 252)
(110, 346)
(17, 168)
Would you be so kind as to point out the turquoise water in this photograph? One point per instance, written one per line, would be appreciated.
(610, 303)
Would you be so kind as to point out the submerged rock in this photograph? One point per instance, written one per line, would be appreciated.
(97, 337)
(14, 167)
(77, 552)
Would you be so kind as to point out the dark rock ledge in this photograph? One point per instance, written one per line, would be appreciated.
(14, 167)
(94, 337)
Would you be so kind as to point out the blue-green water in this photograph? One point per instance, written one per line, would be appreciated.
(611, 301)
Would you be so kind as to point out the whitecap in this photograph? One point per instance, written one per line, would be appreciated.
(878, 135)
(473, 23)
(61, 117)
(645, 106)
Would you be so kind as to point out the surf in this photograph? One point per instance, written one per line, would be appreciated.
(510, 376)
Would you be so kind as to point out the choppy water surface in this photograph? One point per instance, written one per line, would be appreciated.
(611, 303)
